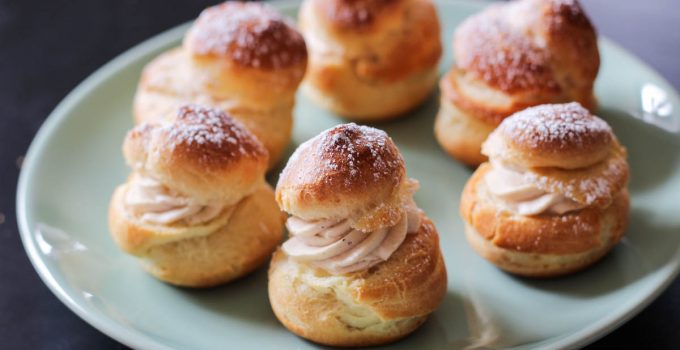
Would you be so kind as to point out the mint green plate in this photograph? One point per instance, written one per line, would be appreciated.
(75, 162)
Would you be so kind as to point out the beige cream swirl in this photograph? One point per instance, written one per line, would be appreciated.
(154, 203)
(336, 247)
(520, 195)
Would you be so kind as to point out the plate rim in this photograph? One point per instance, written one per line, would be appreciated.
(137, 339)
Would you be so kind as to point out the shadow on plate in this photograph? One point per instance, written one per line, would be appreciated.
(444, 329)
(245, 298)
(272, 176)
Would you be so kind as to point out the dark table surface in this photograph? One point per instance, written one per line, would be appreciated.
(48, 47)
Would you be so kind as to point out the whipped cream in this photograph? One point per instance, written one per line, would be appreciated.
(155, 203)
(336, 247)
(520, 195)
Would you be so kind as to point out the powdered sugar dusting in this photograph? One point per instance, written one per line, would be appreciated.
(520, 45)
(564, 125)
(251, 34)
(596, 185)
(569, 5)
(354, 13)
(567, 10)
(197, 126)
(503, 56)
(560, 131)
(353, 148)
(347, 155)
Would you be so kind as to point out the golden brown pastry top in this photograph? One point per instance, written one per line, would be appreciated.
(203, 153)
(565, 136)
(355, 14)
(539, 45)
(384, 40)
(348, 171)
(249, 34)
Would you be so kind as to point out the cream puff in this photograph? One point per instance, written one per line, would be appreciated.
(370, 60)
(196, 209)
(553, 197)
(509, 57)
(243, 58)
(362, 265)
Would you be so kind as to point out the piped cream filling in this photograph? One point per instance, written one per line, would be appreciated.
(337, 248)
(518, 194)
(154, 203)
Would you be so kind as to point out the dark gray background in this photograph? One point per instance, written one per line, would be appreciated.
(48, 47)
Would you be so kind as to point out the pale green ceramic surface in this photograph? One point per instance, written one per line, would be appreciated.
(75, 162)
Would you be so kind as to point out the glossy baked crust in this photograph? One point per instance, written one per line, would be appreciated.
(370, 59)
(348, 171)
